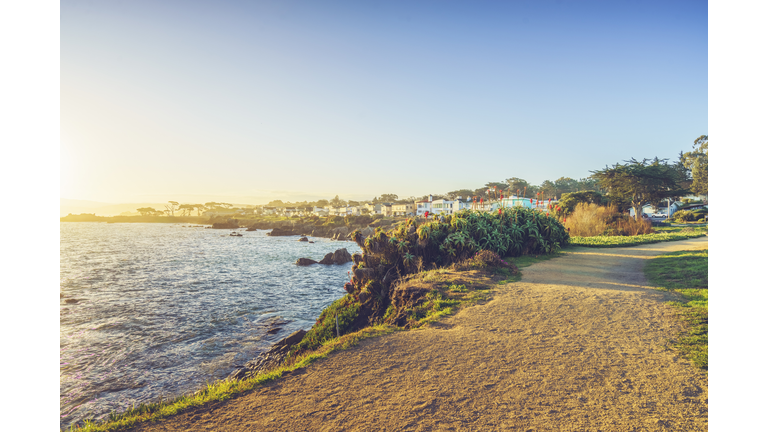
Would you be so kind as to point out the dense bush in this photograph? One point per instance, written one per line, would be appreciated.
(568, 201)
(683, 216)
(476, 239)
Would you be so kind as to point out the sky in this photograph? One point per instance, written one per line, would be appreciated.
(300, 100)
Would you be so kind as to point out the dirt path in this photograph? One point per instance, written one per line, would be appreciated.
(576, 345)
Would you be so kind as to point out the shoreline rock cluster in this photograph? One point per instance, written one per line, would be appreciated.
(289, 228)
(269, 359)
(341, 256)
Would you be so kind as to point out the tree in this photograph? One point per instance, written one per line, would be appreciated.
(146, 211)
(698, 162)
(548, 187)
(322, 203)
(337, 202)
(516, 184)
(186, 209)
(640, 182)
(566, 184)
(171, 207)
(276, 203)
(588, 184)
(464, 193)
(388, 198)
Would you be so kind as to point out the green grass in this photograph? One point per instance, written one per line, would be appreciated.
(686, 272)
(622, 241)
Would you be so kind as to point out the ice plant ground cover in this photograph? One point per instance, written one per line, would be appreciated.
(621, 241)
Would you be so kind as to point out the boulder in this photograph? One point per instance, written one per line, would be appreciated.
(305, 262)
(327, 259)
(280, 232)
(303, 239)
(341, 256)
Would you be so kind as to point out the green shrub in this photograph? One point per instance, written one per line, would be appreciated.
(683, 216)
(568, 201)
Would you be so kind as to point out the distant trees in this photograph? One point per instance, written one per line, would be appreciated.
(144, 211)
(697, 162)
(386, 198)
(186, 209)
(337, 202)
(171, 207)
(464, 193)
(640, 182)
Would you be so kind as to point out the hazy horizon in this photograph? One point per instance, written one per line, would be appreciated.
(296, 100)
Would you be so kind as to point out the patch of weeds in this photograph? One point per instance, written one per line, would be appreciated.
(686, 273)
(458, 288)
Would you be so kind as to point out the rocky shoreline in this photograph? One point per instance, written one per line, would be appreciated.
(289, 228)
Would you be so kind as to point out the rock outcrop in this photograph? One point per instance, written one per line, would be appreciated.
(341, 256)
(229, 224)
(305, 262)
(270, 359)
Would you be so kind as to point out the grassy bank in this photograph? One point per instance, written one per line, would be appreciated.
(686, 273)
(623, 241)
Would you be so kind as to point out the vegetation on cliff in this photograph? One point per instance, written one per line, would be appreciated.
(466, 240)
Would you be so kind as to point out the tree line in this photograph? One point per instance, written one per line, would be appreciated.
(629, 184)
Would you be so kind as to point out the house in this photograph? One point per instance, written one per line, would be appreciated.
(386, 209)
(373, 208)
(460, 204)
(268, 210)
(424, 206)
(406, 209)
(515, 201)
(442, 206)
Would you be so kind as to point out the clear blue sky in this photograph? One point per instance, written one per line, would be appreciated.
(250, 101)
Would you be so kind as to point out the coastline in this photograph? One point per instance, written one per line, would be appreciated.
(522, 330)
(338, 230)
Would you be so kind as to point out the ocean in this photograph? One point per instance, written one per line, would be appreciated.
(152, 311)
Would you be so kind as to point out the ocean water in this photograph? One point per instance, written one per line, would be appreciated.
(158, 310)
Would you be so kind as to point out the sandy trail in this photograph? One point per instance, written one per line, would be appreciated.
(576, 345)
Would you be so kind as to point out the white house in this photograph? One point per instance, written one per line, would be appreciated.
(460, 204)
(406, 209)
(442, 206)
(386, 209)
(319, 211)
(424, 206)
(373, 208)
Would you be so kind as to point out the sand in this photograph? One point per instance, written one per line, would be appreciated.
(577, 345)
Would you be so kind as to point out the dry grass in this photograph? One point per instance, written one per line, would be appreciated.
(590, 220)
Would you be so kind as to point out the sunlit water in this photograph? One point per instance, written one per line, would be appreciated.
(162, 309)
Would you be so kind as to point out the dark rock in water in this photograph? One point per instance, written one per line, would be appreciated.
(280, 232)
(71, 301)
(341, 256)
(311, 242)
(303, 239)
(270, 359)
(327, 259)
(229, 224)
(305, 261)
(273, 330)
